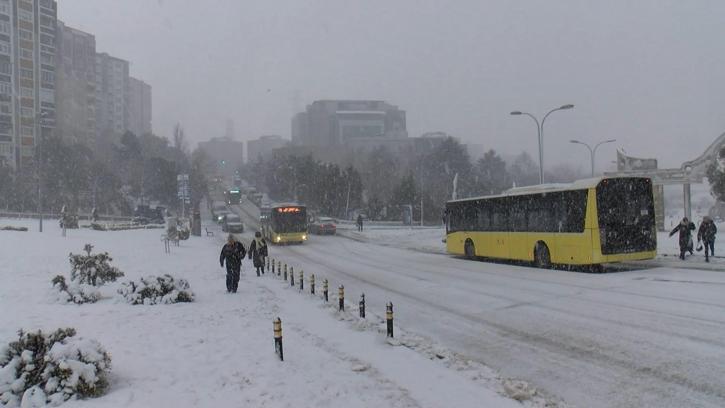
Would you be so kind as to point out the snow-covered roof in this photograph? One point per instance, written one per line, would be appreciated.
(546, 188)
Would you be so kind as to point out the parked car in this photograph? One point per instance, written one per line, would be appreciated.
(323, 226)
(144, 214)
(232, 223)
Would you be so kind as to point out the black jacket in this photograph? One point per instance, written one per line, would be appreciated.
(707, 231)
(258, 254)
(685, 233)
(233, 254)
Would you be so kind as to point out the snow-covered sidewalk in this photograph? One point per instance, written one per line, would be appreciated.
(219, 351)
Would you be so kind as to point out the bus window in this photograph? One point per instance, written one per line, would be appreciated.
(500, 217)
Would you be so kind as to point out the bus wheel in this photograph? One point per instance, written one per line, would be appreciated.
(469, 249)
(542, 258)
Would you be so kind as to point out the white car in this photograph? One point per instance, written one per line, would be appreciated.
(232, 223)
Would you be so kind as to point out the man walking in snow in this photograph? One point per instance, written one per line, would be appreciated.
(706, 234)
(359, 222)
(232, 252)
(258, 251)
(685, 228)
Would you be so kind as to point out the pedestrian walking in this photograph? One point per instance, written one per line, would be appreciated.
(685, 228)
(706, 234)
(232, 253)
(359, 222)
(258, 252)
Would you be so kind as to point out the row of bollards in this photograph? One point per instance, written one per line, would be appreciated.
(277, 323)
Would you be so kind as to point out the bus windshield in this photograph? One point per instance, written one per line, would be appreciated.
(292, 221)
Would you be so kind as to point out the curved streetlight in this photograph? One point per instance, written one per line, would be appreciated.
(593, 152)
(540, 129)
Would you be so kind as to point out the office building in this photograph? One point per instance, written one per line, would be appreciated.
(27, 78)
(76, 86)
(112, 87)
(226, 154)
(348, 123)
(139, 107)
(263, 147)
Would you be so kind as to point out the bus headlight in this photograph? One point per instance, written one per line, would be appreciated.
(277, 238)
(304, 237)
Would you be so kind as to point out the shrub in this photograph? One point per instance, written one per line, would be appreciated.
(153, 290)
(75, 292)
(50, 368)
(93, 269)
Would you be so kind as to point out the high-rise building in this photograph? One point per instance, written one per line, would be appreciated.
(112, 88)
(348, 122)
(263, 147)
(76, 85)
(139, 107)
(27, 77)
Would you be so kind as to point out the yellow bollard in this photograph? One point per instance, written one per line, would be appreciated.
(277, 326)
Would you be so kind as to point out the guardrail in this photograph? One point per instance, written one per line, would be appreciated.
(34, 215)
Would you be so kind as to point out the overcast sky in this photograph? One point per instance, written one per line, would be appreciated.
(650, 73)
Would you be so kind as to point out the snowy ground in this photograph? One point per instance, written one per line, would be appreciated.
(641, 337)
(218, 351)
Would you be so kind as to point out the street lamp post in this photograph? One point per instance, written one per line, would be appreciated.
(593, 152)
(540, 129)
(38, 122)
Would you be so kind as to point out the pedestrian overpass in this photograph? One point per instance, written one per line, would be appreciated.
(690, 172)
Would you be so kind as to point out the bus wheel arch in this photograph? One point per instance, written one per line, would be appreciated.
(469, 249)
(542, 255)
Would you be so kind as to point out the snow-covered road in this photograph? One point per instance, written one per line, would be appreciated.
(636, 338)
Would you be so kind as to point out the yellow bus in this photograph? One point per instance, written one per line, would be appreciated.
(287, 224)
(588, 222)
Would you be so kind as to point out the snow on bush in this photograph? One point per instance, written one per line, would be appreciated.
(87, 273)
(42, 369)
(152, 290)
(93, 269)
(75, 292)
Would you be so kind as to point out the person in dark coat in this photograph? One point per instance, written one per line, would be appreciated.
(685, 228)
(359, 222)
(706, 234)
(232, 252)
(258, 251)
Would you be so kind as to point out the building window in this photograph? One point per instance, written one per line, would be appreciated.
(47, 59)
(26, 92)
(6, 88)
(5, 68)
(25, 15)
(48, 76)
(26, 73)
(6, 149)
(47, 95)
(26, 130)
(4, 27)
(4, 47)
(4, 7)
(27, 112)
(25, 35)
(26, 53)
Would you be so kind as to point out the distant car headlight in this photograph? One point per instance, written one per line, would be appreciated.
(304, 237)
(277, 238)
